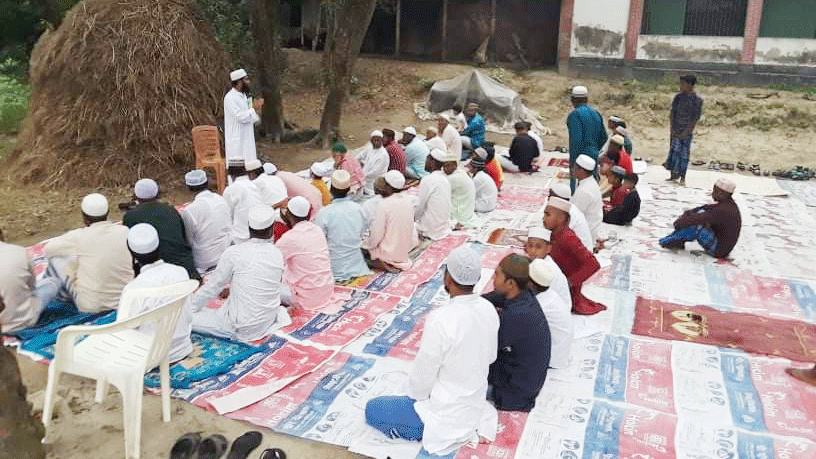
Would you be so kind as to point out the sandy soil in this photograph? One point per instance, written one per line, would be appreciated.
(775, 132)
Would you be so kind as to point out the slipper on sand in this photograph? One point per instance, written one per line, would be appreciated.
(186, 446)
(244, 445)
(273, 453)
(212, 447)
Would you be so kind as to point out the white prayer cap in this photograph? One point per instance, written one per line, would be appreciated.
(409, 130)
(621, 130)
(94, 205)
(320, 169)
(726, 185)
(195, 177)
(451, 157)
(481, 152)
(539, 232)
(464, 265)
(617, 170)
(270, 169)
(618, 139)
(439, 155)
(585, 162)
(252, 165)
(376, 134)
(432, 129)
(236, 75)
(558, 203)
(561, 190)
(341, 179)
(616, 119)
(541, 273)
(146, 189)
(299, 206)
(445, 117)
(579, 91)
(143, 238)
(261, 217)
(395, 179)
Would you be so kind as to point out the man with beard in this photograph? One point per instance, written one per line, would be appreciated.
(240, 115)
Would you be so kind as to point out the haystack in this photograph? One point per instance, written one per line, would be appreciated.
(116, 90)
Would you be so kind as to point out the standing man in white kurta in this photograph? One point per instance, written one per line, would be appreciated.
(240, 115)
(587, 195)
(446, 407)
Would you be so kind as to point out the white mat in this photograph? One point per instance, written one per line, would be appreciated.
(704, 180)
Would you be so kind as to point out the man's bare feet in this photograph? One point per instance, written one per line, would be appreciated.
(808, 376)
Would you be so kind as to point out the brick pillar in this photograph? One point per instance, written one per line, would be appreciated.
(633, 30)
(753, 18)
(565, 35)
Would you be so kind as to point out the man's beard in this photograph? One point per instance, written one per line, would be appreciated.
(245, 89)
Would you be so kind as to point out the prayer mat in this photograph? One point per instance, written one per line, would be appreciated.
(507, 236)
(790, 339)
(55, 316)
(43, 342)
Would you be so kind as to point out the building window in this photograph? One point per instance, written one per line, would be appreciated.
(723, 18)
(788, 19)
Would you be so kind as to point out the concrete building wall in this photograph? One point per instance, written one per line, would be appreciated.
(786, 51)
(599, 28)
(690, 48)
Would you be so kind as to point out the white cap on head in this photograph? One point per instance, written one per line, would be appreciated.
(252, 165)
(270, 169)
(432, 129)
(376, 134)
(143, 238)
(320, 169)
(451, 157)
(146, 189)
(579, 91)
(621, 130)
(726, 185)
(541, 273)
(341, 179)
(561, 190)
(464, 265)
(261, 217)
(299, 206)
(558, 203)
(445, 117)
(617, 138)
(585, 162)
(539, 232)
(94, 205)
(236, 75)
(618, 170)
(481, 152)
(615, 119)
(439, 155)
(409, 130)
(195, 177)
(395, 179)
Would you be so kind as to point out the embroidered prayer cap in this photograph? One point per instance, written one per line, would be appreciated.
(726, 185)
(619, 171)
(146, 189)
(622, 131)
(261, 217)
(252, 165)
(539, 232)
(481, 152)
(477, 162)
(94, 205)
(439, 155)
(195, 177)
(270, 169)
(339, 148)
(143, 238)
(409, 130)
(558, 203)
(395, 179)
(541, 273)
(376, 134)
(236, 75)
(618, 139)
(320, 169)
(341, 180)
(585, 162)
(579, 91)
(562, 191)
(464, 265)
(299, 206)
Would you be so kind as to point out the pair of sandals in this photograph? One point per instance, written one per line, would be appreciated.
(193, 446)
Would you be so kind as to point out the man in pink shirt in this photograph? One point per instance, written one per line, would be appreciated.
(307, 268)
(349, 164)
(299, 186)
(393, 234)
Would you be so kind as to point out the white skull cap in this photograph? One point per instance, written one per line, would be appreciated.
(585, 162)
(541, 273)
(395, 179)
(726, 185)
(143, 238)
(579, 91)
(195, 177)
(376, 134)
(341, 179)
(236, 75)
(299, 206)
(439, 155)
(252, 165)
(539, 232)
(464, 265)
(270, 169)
(558, 203)
(561, 190)
(320, 169)
(261, 217)
(409, 130)
(94, 205)
(146, 189)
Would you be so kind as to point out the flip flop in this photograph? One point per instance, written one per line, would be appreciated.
(244, 445)
(186, 446)
(213, 447)
(273, 453)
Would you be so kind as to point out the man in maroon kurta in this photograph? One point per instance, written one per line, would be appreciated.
(576, 262)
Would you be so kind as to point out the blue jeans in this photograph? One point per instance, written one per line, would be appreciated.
(679, 152)
(702, 234)
(395, 417)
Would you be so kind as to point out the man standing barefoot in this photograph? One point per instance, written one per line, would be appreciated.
(687, 107)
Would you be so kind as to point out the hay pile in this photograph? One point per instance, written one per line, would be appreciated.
(115, 92)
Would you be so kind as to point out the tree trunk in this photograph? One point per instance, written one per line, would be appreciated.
(265, 24)
(20, 433)
(353, 18)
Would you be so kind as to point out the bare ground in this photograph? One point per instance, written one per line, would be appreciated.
(776, 132)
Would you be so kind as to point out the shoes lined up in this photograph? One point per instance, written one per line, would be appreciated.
(192, 446)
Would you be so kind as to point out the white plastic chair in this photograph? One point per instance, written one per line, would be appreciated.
(120, 354)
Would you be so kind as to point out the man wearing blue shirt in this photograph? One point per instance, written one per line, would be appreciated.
(586, 129)
(473, 135)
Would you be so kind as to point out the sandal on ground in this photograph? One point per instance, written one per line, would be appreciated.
(244, 445)
(186, 446)
(213, 447)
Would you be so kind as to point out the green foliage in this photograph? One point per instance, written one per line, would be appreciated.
(230, 26)
(14, 96)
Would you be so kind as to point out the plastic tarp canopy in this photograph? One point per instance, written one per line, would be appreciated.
(496, 101)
